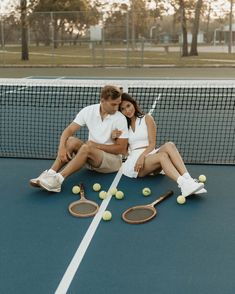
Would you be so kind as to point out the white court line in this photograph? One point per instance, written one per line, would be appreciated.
(78, 256)
(154, 104)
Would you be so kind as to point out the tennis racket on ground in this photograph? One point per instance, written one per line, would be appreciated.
(143, 213)
(83, 207)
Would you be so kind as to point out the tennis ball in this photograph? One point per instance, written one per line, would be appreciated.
(202, 178)
(146, 191)
(96, 187)
(102, 195)
(107, 215)
(113, 190)
(119, 195)
(181, 199)
(76, 189)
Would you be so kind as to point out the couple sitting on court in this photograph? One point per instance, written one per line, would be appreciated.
(110, 132)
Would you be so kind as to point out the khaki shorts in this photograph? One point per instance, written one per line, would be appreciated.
(110, 163)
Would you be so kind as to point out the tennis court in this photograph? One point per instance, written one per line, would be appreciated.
(186, 249)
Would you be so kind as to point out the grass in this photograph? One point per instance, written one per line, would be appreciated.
(110, 56)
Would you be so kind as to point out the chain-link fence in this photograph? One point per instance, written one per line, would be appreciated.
(120, 39)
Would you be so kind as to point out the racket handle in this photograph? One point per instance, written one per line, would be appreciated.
(163, 197)
(82, 192)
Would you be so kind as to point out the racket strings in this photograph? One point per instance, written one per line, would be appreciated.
(83, 208)
(139, 214)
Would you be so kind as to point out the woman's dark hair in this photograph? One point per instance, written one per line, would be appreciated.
(138, 111)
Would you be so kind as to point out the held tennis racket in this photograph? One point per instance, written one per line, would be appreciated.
(83, 207)
(143, 213)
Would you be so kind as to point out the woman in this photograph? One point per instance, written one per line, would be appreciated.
(143, 159)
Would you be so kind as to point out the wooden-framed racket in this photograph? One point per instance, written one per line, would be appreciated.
(143, 213)
(83, 207)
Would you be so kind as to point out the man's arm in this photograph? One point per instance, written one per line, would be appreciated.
(119, 147)
(69, 131)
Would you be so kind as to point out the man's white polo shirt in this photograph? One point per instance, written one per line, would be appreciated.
(100, 130)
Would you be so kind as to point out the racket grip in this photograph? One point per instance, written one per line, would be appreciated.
(82, 191)
(164, 196)
(168, 194)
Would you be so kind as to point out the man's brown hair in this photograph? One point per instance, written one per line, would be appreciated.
(112, 92)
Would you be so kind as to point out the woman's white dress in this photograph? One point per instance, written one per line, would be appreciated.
(137, 139)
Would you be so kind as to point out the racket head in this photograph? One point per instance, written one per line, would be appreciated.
(83, 208)
(139, 214)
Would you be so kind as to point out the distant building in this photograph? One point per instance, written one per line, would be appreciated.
(222, 35)
(200, 37)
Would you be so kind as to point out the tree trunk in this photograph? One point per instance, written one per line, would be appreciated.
(208, 38)
(196, 22)
(184, 29)
(24, 31)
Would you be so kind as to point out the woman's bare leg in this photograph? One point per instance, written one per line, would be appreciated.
(159, 160)
(175, 157)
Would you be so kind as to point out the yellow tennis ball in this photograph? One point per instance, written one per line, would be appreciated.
(107, 215)
(202, 178)
(102, 195)
(146, 191)
(96, 187)
(119, 195)
(113, 190)
(76, 189)
(181, 199)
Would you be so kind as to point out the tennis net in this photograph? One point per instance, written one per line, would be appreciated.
(197, 115)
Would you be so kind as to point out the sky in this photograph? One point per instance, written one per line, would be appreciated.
(4, 4)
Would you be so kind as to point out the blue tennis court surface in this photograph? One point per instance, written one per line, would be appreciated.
(185, 249)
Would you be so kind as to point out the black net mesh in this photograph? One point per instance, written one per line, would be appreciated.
(198, 116)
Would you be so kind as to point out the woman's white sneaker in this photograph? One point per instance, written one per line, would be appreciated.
(189, 187)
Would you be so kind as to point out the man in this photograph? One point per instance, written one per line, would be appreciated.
(100, 152)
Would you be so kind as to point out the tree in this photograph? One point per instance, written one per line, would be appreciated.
(115, 24)
(24, 31)
(183, 21)
(193, 51)
(64, 18)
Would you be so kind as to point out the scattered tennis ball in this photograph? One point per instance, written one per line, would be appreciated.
(76, 189)
(107, 215)
(113, 190)
(146, 191)
(102, 195)
(119, 195)
(96, 187)
(202, 178)
(181, 199)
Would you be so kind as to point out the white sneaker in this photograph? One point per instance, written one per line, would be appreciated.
(201, 191)
(51, 183)
(35, 182)
(189, 187)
